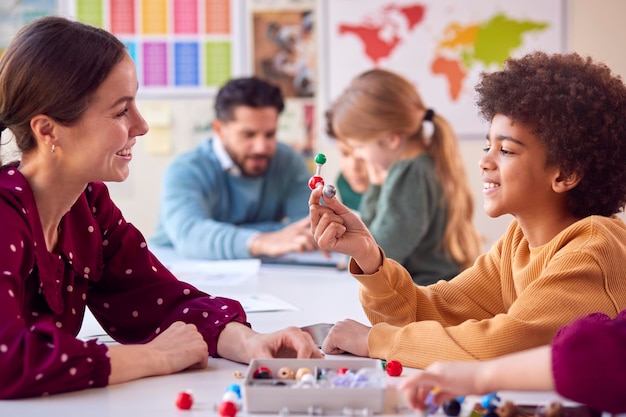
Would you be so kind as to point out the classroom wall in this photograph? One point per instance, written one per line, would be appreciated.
(595, 28)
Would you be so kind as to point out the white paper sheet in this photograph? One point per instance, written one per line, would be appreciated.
(206, 275)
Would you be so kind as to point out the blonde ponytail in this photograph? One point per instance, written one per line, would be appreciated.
(461, 239)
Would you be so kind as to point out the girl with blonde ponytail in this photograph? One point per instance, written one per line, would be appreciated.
(419, 206)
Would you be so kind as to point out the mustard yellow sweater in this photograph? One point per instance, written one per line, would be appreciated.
(513, 297)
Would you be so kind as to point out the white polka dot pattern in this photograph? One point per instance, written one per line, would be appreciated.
(83, 252)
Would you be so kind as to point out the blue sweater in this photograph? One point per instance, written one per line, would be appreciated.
(208, 213)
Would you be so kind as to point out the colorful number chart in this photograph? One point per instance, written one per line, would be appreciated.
(180, 47)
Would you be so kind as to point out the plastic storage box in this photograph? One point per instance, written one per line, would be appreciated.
(319, 397)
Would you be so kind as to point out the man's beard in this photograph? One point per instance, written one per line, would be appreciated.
(257, 172)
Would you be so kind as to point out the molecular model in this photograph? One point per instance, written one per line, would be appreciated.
(316, 180)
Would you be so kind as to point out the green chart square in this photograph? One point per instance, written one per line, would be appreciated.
(90, 12)
(217, 63)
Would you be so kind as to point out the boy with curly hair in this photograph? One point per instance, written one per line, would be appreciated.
(554, 160)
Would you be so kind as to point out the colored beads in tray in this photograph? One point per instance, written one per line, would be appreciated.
(301, 385)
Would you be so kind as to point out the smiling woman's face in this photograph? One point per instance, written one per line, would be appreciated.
(99, 146)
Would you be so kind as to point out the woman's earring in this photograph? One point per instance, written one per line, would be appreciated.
(52, 148)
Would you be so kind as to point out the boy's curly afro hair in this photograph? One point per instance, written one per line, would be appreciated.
(577, 108)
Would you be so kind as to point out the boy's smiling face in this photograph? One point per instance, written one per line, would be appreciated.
(516, 179)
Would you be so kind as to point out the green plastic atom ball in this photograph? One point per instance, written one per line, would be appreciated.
(320, 158)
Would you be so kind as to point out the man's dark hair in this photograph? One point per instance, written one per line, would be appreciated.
(249, 92)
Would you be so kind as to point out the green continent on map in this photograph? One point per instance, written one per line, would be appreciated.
(498, 37)
(488, 43)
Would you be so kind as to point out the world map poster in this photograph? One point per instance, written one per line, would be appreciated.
(441, 46)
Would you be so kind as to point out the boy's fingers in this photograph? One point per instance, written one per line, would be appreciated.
(315, 196)
(335, 205)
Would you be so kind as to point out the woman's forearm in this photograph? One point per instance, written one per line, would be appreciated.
(234, 342)
(179, 347)
(131, 362)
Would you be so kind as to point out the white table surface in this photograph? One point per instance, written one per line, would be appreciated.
(322, 295)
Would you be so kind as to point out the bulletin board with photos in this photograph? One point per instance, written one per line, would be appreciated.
(282, 48)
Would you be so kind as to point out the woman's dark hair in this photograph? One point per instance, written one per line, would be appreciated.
(52, 67)
(577, 109)
(248, 91)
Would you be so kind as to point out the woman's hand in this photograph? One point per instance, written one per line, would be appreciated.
(178, 347)
(336, 228)
(242, 344)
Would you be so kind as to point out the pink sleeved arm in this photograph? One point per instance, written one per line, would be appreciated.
(137, 297)
(589, 362)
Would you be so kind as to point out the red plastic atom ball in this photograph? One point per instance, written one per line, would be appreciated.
(394, 368)
(314, 181)
(227, 409)
(262, 372)
(342, 371)
(184, 400)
